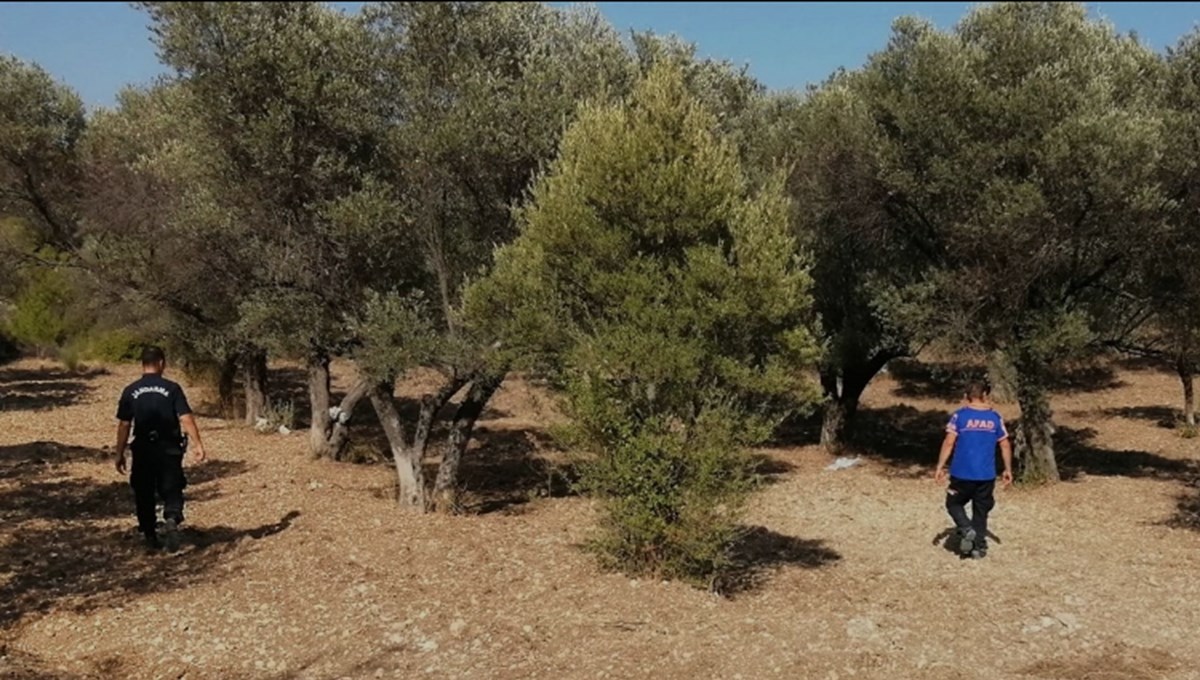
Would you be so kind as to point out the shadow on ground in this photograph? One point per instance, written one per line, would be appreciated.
(1187, 508)
(1162, 416)
(509, 468)
(949, 540)
(945, 380)
(42, 389)
(907, 440)
(1078, 453)
(760, 551)
(933, 380)
(62, 551)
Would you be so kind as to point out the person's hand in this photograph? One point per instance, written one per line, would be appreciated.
(1006, 479)
(198, 454)
(120, 463)
(939, 475)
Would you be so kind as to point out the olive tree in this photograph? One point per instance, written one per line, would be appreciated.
(1019, 166)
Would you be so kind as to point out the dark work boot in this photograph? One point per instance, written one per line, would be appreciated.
(171, 535)
(150, 540)
(966, 543)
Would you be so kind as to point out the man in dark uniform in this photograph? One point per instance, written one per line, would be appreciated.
(155, 408)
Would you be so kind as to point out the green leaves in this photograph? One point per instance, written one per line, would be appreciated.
(666, 297)
(41, 123)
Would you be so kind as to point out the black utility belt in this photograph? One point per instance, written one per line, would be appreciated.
(154, 437)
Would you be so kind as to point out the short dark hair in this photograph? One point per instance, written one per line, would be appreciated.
(153, 355)
(978, 389)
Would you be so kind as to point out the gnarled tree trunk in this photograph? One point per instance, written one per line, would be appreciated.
(843, 387)
(1187, 375)
(410, 476)
(329, 428)
(226, 383)
(339, 430)
(445, 490)
(318, 400)
(254, 382)
(1035, 436)
(431, 405)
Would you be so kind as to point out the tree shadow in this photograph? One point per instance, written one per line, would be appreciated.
(769, 469)
(290, 385)
(1078, 454)
(1162, 416)
(62, 550)
(903, 437)
(933, 380)
(37, 491)
(945, 380)
(43, 389)
(1187, 508)
(797, 430)
(509, 468)
(759, 552)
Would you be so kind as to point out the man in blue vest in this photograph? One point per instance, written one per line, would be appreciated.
(970, 446)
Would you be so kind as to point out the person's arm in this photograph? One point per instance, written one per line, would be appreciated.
(124, 425)
(1006, 455)
(123, 428)
(939, 472)
(188, 422)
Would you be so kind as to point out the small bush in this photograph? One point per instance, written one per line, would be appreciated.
(1189, 432)
(277, 414)
(113, 346)
(673, 498)
(665, 294)
(71, 357)
(39, 317)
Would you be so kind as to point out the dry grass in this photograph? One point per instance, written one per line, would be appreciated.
(295, 568)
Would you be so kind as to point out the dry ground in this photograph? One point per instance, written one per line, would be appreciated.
(300, 569)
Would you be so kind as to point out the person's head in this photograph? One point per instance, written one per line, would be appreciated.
(154, 360)
(977, 390)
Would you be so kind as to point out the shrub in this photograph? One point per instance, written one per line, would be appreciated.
(665, 296)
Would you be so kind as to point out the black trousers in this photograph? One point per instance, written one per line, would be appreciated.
(157, 472)
(982, 499)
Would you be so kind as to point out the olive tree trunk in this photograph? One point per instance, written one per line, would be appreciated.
(1187, 375)
(446, 487)
(329, 429)
(254, 383)
(843, 387)
(1035, 433)
(226, 383)
(410, 477)
(318, 400)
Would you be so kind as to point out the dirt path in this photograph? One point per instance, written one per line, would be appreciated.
(301, 569)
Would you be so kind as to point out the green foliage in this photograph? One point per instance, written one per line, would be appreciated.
(279, 413)
(41, 123)
(113, 346)
(292, 119)
(395, 334)
(665, 296)
(40, 317)
(1018, 159)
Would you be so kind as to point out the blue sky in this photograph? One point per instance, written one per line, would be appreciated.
(99, 47)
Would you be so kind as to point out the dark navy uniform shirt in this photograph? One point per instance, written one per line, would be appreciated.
(155, 405)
